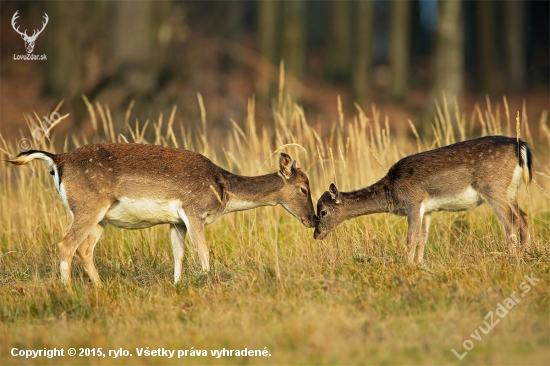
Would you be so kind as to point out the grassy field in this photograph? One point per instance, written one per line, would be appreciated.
(350, 299)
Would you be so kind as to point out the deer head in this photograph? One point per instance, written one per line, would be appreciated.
(296, 194)
(29, 40)
(329, 212)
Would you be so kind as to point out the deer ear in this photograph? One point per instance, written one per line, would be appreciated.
(334, 193)
(286, 164)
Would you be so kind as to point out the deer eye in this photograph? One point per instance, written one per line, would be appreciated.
(323, 213)
(304, 191)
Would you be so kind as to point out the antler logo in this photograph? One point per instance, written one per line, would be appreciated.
(29, 40)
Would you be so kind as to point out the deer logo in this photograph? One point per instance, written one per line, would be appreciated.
(29, 40)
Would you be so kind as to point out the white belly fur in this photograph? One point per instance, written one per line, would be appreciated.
(131, 213)
(466, 200)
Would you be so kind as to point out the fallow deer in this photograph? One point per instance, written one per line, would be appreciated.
(135, 186)
(457, 177)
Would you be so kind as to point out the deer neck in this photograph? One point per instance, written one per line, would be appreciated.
(372, 199)
(245, 193)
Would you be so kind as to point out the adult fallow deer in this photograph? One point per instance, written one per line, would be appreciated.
(457, 177)
(135, 186)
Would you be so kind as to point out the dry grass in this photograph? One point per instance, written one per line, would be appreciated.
(350, 299)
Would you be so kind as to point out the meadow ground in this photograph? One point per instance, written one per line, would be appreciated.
(349, 299)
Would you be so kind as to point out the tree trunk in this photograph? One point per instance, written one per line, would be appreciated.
(486, 45)
(363, 35)
(132, 44)
(293, 48)
(400, 31)
(77, 55)
(268, 20)
(514, 13)
(449, 58)
(234, 18)
(338, 50)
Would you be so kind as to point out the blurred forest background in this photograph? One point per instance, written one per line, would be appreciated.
(399, 55)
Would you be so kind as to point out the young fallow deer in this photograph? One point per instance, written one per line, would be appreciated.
(457, 177)
(135, 186)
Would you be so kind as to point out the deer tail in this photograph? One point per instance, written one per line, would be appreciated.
(26, 156)
(526, 162)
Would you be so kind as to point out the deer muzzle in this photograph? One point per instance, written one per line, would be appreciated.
(309, 221)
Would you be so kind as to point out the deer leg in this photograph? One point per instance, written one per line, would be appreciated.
(177, 239)
(196, 234)
(509, 219)
(68, 245)
(195, 228)
(524, 229)
(86, 252)
(523, 224)
(414, 233)
(81, 227)
(424, 237)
